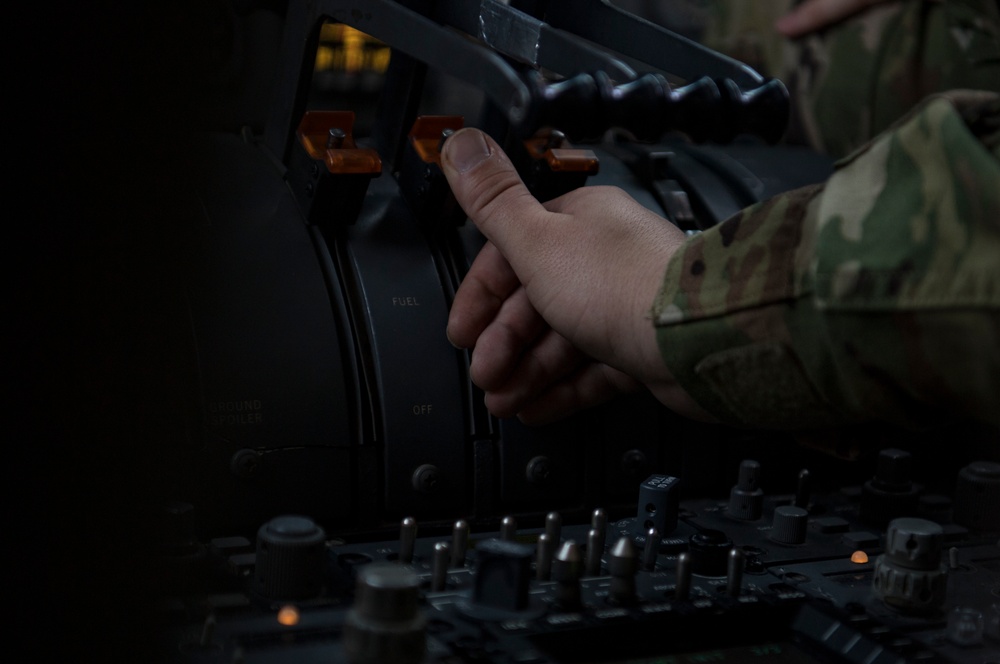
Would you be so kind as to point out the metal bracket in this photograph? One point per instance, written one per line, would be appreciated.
(618, 30)
(528, 40)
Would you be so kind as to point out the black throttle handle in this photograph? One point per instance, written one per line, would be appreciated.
(585, 106)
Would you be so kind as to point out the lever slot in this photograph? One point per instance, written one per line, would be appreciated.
(401, 28)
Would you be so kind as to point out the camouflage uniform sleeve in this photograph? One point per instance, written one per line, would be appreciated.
(872, 297)
(852, 80)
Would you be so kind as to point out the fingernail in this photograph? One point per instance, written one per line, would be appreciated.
(466, 150)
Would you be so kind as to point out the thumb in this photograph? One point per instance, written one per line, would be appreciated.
(490, 191)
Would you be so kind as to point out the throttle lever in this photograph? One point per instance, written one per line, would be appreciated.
(330, 173)
(572, 106)
(649, 107)
(762, 111)
(551, 167)
(422, 183)
(587, 105)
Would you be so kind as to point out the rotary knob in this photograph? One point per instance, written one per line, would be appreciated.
(911, 576)
(977, 496)
(789, 525)
(709, 551)
(291, 559)
(890, 493)
(385, 624)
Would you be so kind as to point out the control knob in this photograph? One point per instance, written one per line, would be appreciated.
(291, 558)
(789, 525)
(709, 550)
(911, 575)
(385, 624)
(977, 496)
(890, 493)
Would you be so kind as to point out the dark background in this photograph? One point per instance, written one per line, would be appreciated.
(95, 95)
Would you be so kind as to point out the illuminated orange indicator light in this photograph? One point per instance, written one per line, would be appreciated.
(288, 615)
(859, 557)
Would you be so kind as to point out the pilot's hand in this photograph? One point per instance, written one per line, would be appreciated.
(813, 15)
(556, 306)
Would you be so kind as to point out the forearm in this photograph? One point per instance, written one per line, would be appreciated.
(873, 297)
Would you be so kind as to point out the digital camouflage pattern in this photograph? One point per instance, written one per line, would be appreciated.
(872, 297)
(853, 80)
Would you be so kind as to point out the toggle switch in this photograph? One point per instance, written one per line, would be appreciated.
(566, 570)
(553, 527)
(407, 539)
(622, 566)
(746, 499)
(459, 543)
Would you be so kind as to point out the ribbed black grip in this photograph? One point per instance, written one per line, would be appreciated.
(585, 106)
